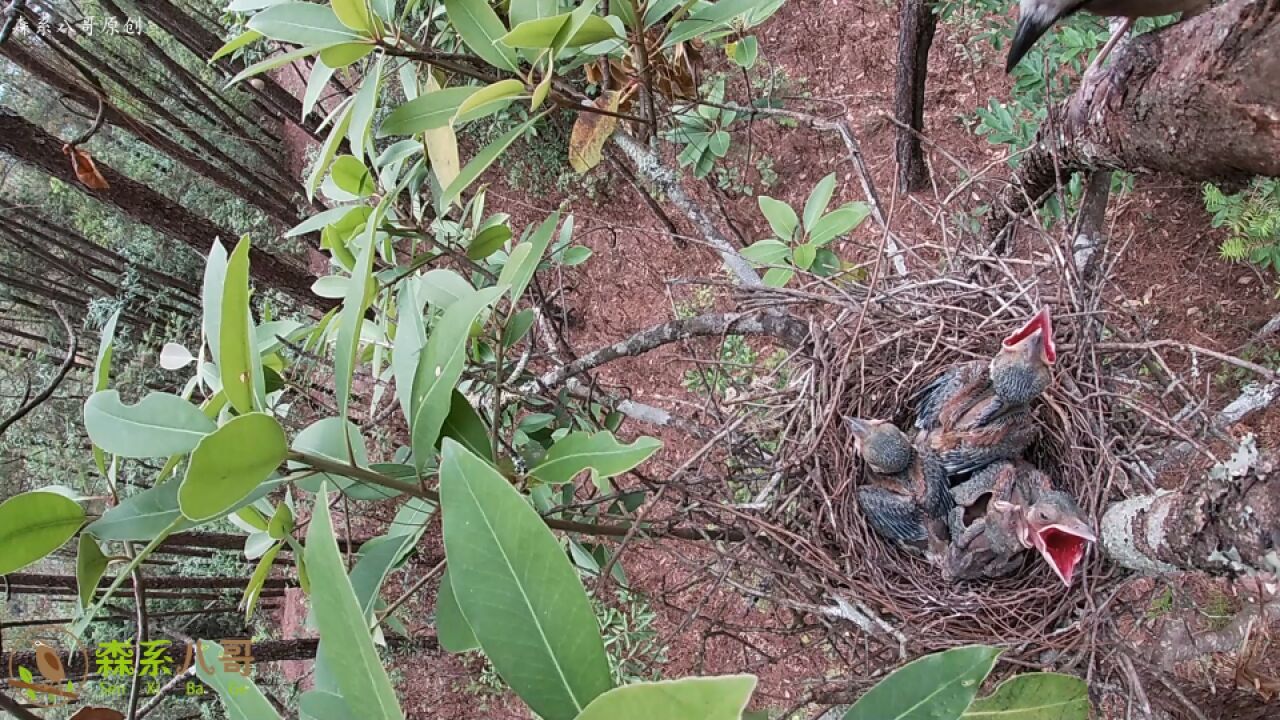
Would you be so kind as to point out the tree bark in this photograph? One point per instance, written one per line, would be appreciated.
(1229, 525)
(916, 26)
(1200, 99)
(32, 145)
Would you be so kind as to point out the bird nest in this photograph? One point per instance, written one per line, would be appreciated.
(883, 340)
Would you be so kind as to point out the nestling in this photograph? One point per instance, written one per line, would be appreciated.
(913, 510)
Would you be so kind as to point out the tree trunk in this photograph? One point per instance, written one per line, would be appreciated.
(32, 145)
(916, 25)
(1200, 99)
(1229, 525)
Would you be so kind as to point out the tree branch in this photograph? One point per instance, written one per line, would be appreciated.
(73, 346)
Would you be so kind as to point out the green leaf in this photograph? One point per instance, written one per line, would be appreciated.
(488, 241)
(489, 100)
(525, 10)
(302, 23)
(536, 34)
(385, 9)
(91, 564)
(411, 336)
(778, 277)
(483, 160)
(466, 426)
(428, 112)
(159, 426)
(442, 288)
(439, 369)
(321, 705)
(479, 27)
(281, 524)
(363, 108)
(273, 62)
(34, 524)
(782, 218)
(694, 698)
(351, 175)
(354, 14)
(141, 516)
(340, 56)
(520, 274)
(253, 590)
(709, 18)
(239, 364)
(593, 29)
(935, 687)
(518, 326)
(347, 646)
(804, 255)
(575, 255)
(518, 591)
(766, 252)
(325, 437)
(351, 318)
(745, 52)
(838, 222)
(452, 630)
(327, 151)
(1034, 696)
(601, 452)
(317, 81)
(235, 44)
(240, 696)
(215, 271)
(231, 463)
(818, 200)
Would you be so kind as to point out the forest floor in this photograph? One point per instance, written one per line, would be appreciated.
(837, 53)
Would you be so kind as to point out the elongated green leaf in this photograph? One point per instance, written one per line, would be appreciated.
(518, 327)
(329, 149)
(347, 646)
(273, 62)
(439, 368)
(318, 221)
(479, 27)
(782, 218)
(432, 110)
(804, 255)
(340, 56)
(240, 696)
(141, 516)
(91, 563)
(102, 374)
(354, 306)
(452, 630)
(235, 44)
(411, 337)
(483, 160)
(302, 23)
(321, 705)
(489, 100)
(818, 200)
(325, 437)
(520, 274)
(709, 18)
(935, 687)
(518, 590)
(33, 525)
(385, 9)
(215, 271)
(354, 14)
(231, 463)
(694, 698)
(838, 222)
(253, 591)
(442, 288)
(363, 108)
(317, 81)
(540, 33)
(1034, 696)
(239, 365)
(466, 426)
(601, 452)
(158, 426)
(769, 251)
(488, 241)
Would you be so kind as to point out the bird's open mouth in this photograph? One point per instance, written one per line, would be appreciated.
(1042, 322)
(1063, 549)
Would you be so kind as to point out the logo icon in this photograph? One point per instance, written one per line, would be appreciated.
(44, 666)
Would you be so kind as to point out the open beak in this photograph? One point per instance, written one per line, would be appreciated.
(1029, 31)
(1039, 330)
(1063, 545)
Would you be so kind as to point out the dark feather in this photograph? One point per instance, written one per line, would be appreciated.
(892, 515)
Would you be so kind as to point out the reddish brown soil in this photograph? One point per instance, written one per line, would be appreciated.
(1169, 276)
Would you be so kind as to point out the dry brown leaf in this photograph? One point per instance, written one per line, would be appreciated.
(84, 168)
(591, 131)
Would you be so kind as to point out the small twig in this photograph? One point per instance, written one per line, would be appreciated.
(73, 346)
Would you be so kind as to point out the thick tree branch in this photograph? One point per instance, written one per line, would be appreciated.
(73, 346)
(1200, 99)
